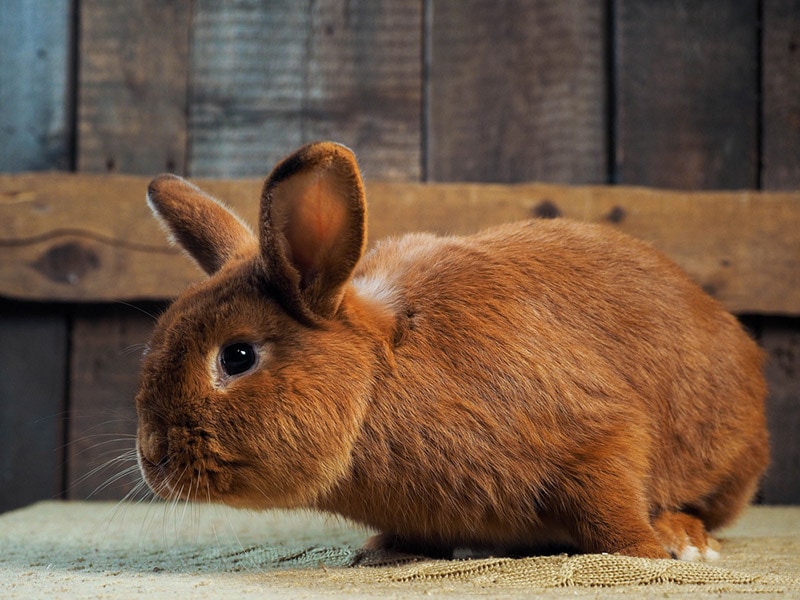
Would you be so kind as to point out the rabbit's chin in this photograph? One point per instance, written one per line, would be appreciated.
(227, 484)
(171, 481)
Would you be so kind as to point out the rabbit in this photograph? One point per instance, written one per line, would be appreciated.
(541, 382)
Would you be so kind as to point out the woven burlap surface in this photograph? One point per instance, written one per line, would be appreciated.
(101, 550)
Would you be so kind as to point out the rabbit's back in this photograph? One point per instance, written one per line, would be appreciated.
(531, 356)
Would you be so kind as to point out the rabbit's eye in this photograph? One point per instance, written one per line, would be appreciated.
(237, 358)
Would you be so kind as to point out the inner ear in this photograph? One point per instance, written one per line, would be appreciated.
(313, 222)
(313, 227)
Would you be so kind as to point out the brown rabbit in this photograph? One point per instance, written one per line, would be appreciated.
(540, 382)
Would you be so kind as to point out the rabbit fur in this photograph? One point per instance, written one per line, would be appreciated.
(542, 382)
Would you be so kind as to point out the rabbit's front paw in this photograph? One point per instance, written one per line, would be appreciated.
(685, 537)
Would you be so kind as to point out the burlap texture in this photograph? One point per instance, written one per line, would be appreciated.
(101, 550)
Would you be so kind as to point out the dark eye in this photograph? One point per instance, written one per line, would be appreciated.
(237, 358)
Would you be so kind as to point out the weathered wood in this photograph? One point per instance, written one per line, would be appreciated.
(781, 341)
(107, 345)
(74, 236)
(744, 247)
(33, 356)
(133, 77)
(35, 130)
(516, 91)
(244, 110)
(329, 69)
(781, 170)
(132, 117)
(35, 134)
(781, 90)
(687, 94)
(687, 117)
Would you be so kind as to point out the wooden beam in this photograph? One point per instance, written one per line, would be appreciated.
(91, 238)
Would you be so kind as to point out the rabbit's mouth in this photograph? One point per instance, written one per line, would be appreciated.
(181, 466)
(187, 483)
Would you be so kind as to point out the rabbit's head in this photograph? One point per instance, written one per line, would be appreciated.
(242, 398)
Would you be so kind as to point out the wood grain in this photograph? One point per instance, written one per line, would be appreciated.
(269, 77)
(35, 128)
(743, 247)
(781, 89)
(516, 91)
(781, 170)
(781, 341)
(33, 350)
(107, 347)
(35, 134)
(132, 90)
(687, 94)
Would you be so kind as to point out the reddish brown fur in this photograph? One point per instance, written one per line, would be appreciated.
(539, 382)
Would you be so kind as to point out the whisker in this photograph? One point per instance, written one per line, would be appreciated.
(118, 459)
(139, 489)
(138, 309)
(125, 473)
(150, 515)
(134, 349)
(114, 440)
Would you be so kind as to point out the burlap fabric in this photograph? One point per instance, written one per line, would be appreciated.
(86, 550)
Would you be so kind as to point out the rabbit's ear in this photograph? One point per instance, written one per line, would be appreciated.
(208, 231)
(313, 228)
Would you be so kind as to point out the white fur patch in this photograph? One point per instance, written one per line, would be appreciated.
(377, 288)
(690, 553)
(693, 554)
(710, 555)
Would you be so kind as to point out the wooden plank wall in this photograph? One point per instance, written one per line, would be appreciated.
(35, 134)
(691, 94)
(780, 160)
